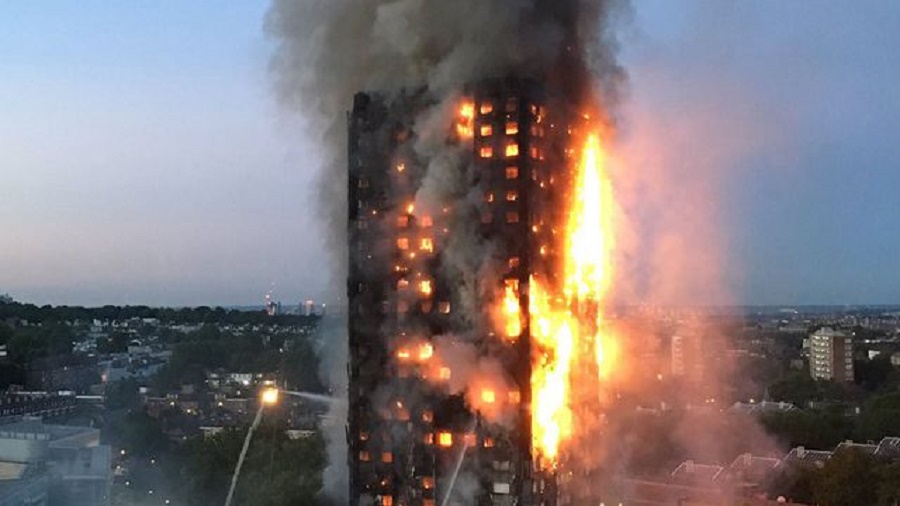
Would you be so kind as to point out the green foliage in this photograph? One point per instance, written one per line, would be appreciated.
(848, 479)
(813, 429)
(140, 435)
(289, 471)
(117, 342)
(122, 394)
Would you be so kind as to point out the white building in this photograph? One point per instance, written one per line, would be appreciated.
(830, 355)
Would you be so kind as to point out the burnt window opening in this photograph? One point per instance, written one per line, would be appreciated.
(486, 130)
(403, 221)
(489, 196)
(403, 284)
(444, 307)
(486, 152)
(426, 222)
(512, 195)
(512, 104)
(364, 456)
(512, 128)
(487, 107)
(514, 262)
(363, 436)
(363, 182)
(403, 243)
(512, 173)
(512, 217)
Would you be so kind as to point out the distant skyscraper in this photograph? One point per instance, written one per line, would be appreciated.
(830, 355)
(687, 354)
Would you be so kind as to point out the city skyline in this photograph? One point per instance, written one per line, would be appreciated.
(145, 160)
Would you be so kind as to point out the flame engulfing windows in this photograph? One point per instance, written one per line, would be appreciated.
(486, 130)
(512, 128)
(403, 243)
(512, 149)
(487, 107)
(486, 152)
(445, 439)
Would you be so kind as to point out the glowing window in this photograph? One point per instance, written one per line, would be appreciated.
(444, 307)
(387, 500)
(364, 436)
(512, 217)
(444, 373)
(470, 440)
(512, 128)
(429, 438)
(515, 397)
(387, 457)
(401, 167)
(427, 416)
(486, 152)
(536, 153)
(427, 483)
(427, 245)
(512, 173)
(445, 439)
(427, 502)
(512, 150)
(364, 456)
(486, 130)
(487, 107)
(403, 243)
(402, 221)
(489, 197)
(403, 284)
(512, 196)
(425, 221)
(426, 306)
(513, 262)
(488, 442)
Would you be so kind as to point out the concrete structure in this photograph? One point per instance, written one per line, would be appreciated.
(406, 431)
(53, 465)
(831, 355)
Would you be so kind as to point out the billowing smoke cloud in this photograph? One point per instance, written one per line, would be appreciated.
(330, 49)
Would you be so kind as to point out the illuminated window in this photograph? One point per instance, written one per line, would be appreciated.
(427, 502)
(512, 173)
(401, 167)
(536, 153)
(427, 305)
(512, 195)
(512, 128)
(489, 197)
(513, 262)
(426, 245)
(387, 457)
(512, 283)
(427, 483)
(427, 416)
(363, 436)
(486, 152)
(470, 440)
(515, 397)
(445, 439)
(488, 442)
(512, 217)
(403, 243)
(429, 438)
(425, 221)
(387, 500)
(512, 150)
(403, 284)
(445, 373)
(486, 107)
(486, 130)
(444, 307)
(402, 221)
(364, 456)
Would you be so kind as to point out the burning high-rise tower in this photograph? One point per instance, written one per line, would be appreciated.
(420, 415)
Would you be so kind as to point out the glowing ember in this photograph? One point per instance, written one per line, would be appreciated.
(567, 327)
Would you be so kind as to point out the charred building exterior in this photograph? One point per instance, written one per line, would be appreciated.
(411, 434)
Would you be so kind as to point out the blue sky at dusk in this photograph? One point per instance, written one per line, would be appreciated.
(143, 158)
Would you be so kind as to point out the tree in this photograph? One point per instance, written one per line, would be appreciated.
(848, 479)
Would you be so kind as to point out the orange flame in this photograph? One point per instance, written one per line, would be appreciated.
(512, 312)
(465, 121)
(565, 325)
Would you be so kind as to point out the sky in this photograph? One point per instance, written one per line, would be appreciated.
(144, 160)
